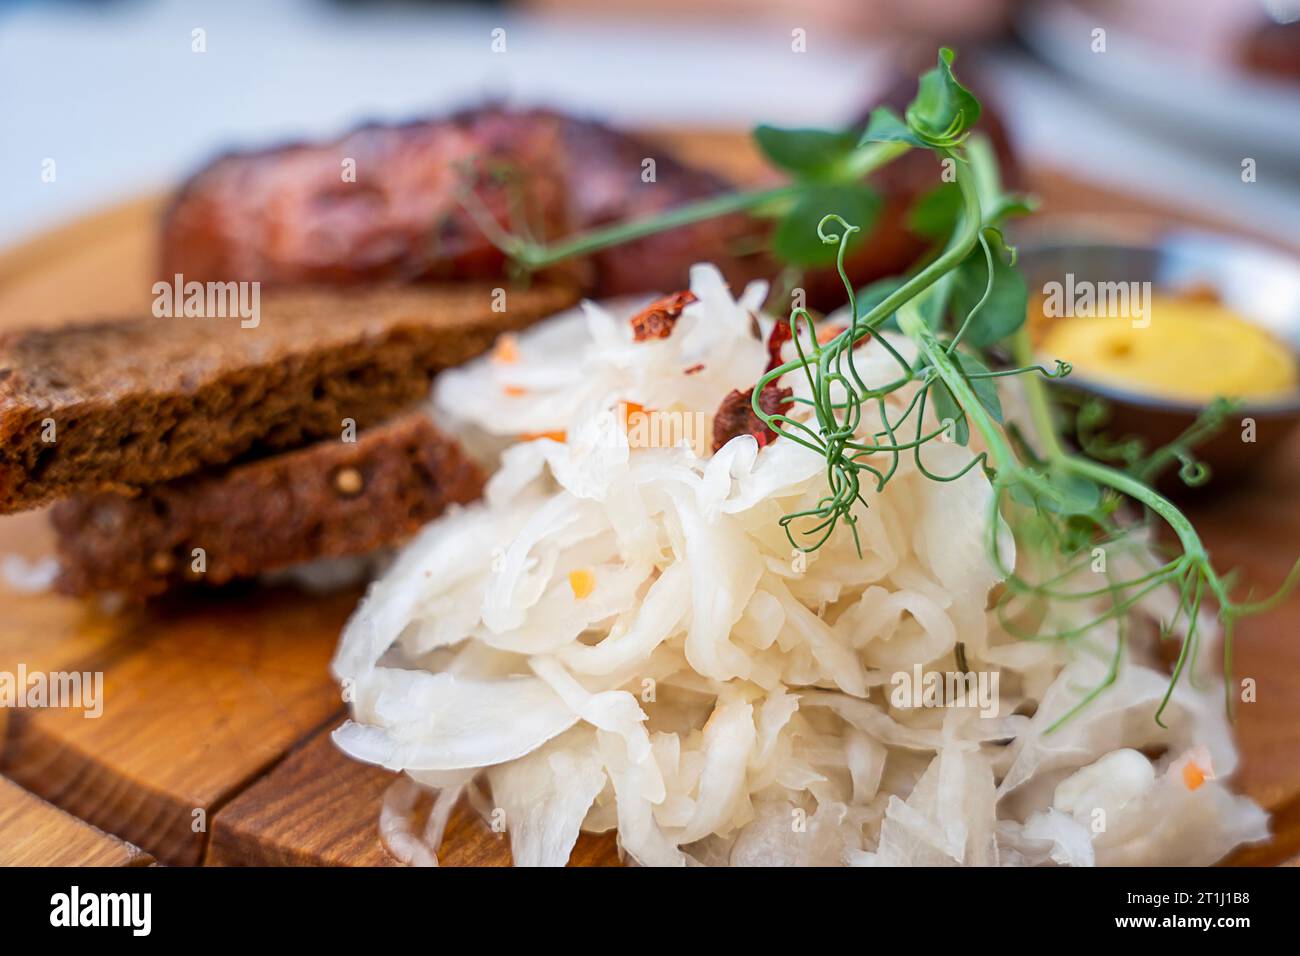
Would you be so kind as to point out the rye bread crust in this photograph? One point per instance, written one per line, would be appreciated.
(332, 499)
(136, 401)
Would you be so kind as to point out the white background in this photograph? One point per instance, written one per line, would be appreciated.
(113, 93)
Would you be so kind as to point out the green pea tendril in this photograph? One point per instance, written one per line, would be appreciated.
(963, 310)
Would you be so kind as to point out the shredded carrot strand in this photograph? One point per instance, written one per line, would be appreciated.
(506, 350)
(583, 583)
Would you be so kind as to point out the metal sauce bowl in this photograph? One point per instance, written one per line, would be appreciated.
(1260, 283)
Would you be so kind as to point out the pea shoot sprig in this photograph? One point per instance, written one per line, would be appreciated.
(1062, 509)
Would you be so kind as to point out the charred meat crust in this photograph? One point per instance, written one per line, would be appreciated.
(287, 216)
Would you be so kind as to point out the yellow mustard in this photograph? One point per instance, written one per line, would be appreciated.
(1186, 348)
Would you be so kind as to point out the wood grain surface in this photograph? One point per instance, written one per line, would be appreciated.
(319, 808)
(213, 743)
(37, 833)
(200, 699)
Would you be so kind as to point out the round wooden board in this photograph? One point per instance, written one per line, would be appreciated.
(104, 264)
(100, 265)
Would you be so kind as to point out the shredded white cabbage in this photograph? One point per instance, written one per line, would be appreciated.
(620, 635)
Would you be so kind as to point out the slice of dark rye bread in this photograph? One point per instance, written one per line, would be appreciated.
(331, 499)
(120, 404)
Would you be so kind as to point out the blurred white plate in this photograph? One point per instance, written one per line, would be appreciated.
(1178, 63)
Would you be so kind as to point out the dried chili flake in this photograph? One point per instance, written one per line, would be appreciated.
(828, 332)
(657, 319)
(697, 367)
(735, 416)
(776, 340)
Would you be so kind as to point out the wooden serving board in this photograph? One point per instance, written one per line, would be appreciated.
(36, 833)
(213, 742)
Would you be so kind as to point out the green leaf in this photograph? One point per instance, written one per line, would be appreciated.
(947, 410)
(1010, 204)
(1064, 493)
(807, 152)
(885, 126)
(943, 110)
(1080, 532)
(935, 214)
(946, 407)
(1007, 305)
(871, 296)
(985, 389)
(795, 239)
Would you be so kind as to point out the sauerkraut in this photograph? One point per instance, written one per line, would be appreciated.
(620, 634)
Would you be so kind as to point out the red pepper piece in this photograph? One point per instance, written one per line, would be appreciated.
(657, 319)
